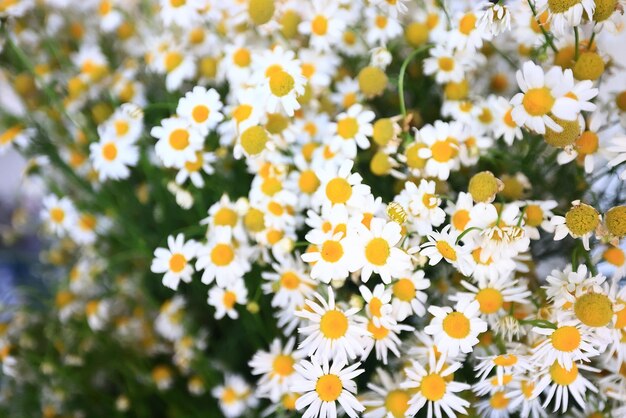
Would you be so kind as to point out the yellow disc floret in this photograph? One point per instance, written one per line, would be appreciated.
(253, 140)
(261, 11)
(615, 220)
(589, 66)
(484, 186)
(594, 309)
(582, 219)
(372, 81)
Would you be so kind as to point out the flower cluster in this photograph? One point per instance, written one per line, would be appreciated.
(379, 208)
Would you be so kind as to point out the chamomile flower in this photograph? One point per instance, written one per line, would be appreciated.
(408, 298)
(181, 13)
(352, 129)
(445, 64)
(332, 333)
(537, 214)
(387, 398)
(178, 142)
(325, 24)
(495, 19)
(563, 15)
(221, 259)
(323, 386)
(443, 245)
(585, 148)
(377, 251)
(456, 330)
(382, 27)
(225, 299)
(330, 257)
(58, 214)
(579, 222)
(543, 96)
(112, 158)
(442, 148)
(193, 169)
(201, 108)
(492, 295)
(422, 205)
(512, 362)
(377, 303)
(289, 283)
(566, 344)
(460, 211)
(433, 385)
(234, 396)
(341, 187)
(618, 153)
(276, 368)
(560, 383)
(174, 261)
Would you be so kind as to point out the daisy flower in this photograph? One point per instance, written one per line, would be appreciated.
(280, 79)
(504, 126)
(332, 333)
(494, 295)
(221, 259)
(512, 362)
(566, 344)
(289, 282)
(456, 330)
(495, 19)
(276, 368)
(126, 124)
(112, 158)
(234, 397)
(522, 393)
(201, 108)
(376, 250)
(537, 214)
(579, 222)
(323, 386)
(225, 299)
(423, 206)
(193, 169)
(324, 23)
(563, 15)
(443, 245)
(331, 256)
(445, 64)
(377, 303)
(177, 142)
(181, 13)
(442, 148)
(408, 298)
(460, 211)
(352, 129)
(58, 214)
(381, 27)
(340, 187)
(467, 34)
(556, 380)
(542, 96)
(618, 151)
(434, 386)
(174, 261)
(387, 399)
(384, 339)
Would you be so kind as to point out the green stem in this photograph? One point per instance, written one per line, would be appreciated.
(592, 38)
(541, 323)
(460, 237)
(405, 64)
(543, 30)
(576, 41)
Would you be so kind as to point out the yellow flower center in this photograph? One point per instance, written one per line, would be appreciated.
(490, 300)
(10, 134)
(332, 251)
(505, 360)
(615, 256)
(329, 387)
(566, 339)
(534, 215)
(241, 57)
(446, 64)
(334, 324)
(538, 101)
(196, 165)
(177, 3)
(289, 401)
(225, 216)
(319, 25)
(222, 255)
(241, 113)
(281, 83)
(433, 387)
(456, 325)
(615, 220)
(200, 113)
(594, 309)
(179, 139)
(563, 377)
(290, 280)
(443, 151)
(446, 250)
(404, 289)
(413, 160)
(283, 365)
(377, 251)
(587, 143)
(229, 396)
(528, 388)
(582, 219)
(499, 400)
(338, 190)
(460, 219)
(172, 60)
(375, 305)
(308, 181)
(177, 263)
(253, 140)
(109, 151)
(467, 23)
(378, 333)
(87, 222)
(560, 6)
(254, 220)
(229, 299)
(397, 402)
(381, 21)
(347, 128)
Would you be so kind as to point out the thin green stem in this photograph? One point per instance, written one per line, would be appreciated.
(405, 64)
(541, 323)
(468, 230)
(576, 42)
(592, 38)
(543, 30)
